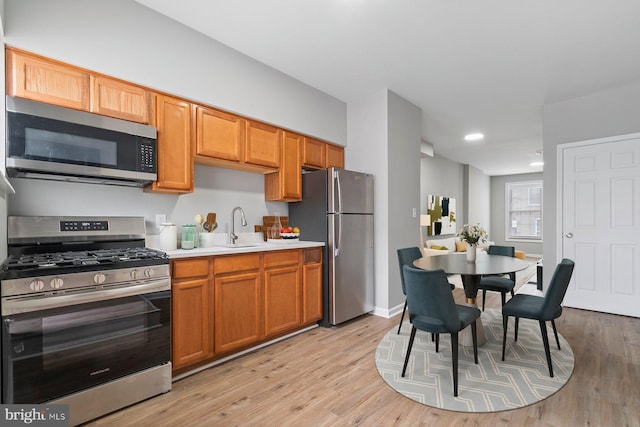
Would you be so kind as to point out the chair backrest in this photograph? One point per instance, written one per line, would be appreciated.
(406, 256)
(557, 288)
(429, 294)
(502, 250)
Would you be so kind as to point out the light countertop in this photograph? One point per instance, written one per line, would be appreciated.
(241, 248)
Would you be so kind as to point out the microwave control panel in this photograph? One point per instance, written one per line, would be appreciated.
(147, 155)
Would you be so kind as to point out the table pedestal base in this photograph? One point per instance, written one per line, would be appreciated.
(465, 338)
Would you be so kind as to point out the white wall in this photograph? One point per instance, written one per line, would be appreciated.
(124, 39)
(405, 125)
(498, 211)
(384, 139)
(367, 151)
(478, 210)
(607, 113)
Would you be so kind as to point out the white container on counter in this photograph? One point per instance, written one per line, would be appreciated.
(206, 240)
(168, 237)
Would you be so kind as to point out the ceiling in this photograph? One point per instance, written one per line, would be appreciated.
(472, 66)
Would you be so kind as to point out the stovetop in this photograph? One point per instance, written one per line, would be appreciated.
(40, 246)
(30, 265)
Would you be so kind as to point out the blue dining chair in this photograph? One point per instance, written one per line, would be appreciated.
(432, 309)
(406, 256)
(542, 309)
(498, 283)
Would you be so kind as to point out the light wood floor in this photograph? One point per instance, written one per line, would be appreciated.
(328, 377)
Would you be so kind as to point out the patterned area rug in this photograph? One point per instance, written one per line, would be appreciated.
(492, 385)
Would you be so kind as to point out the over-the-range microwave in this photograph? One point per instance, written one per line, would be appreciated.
(49, 142)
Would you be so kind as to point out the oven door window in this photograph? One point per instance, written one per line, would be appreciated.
(53, 353)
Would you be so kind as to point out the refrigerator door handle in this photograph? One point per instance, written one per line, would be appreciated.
(338, 241)
(336, 175)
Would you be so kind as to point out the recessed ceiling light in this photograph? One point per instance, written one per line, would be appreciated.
(536, 164)
(473, 137)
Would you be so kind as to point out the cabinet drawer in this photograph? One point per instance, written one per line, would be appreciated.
(280, 258)
(193, 267)
(312, 255)
(236, 263)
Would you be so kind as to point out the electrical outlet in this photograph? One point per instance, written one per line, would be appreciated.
(414, 213)
(160, 218)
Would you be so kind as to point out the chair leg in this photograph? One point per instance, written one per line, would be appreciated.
(505, 321)
(454, 359)
(545, 341)
(512, 294)
(474, 335)
(517, 324)
(433, 337)
(484, 294)
(555, 332)
(406, 359)
(437, 342)
(402, 317)
(503, 297)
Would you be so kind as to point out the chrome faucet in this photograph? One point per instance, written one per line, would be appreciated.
(243, 219)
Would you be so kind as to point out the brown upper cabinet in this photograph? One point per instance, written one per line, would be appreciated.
(45, 80)
(230, 141)
(314, 153)
(286, 184)
(321, 155)
(187, 132)
(113, 98)
(335, 156)
(173, 119)
(39, 79)
(262, 144)
(219, 135)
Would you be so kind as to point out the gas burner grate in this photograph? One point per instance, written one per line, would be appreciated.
(82, 258)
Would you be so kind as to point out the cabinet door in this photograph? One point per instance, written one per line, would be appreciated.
(218, 135)
(175, 163)
(190, 325)
(312, 286)
(286, 184)
(335, 156)
(114, 98)
(237, 312)
(281, 299)
(262, 144)
(47, 81)
(314, 153)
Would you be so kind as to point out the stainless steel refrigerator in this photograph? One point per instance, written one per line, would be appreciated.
(337, 208)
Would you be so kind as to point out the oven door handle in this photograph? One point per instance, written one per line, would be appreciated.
(27, 304)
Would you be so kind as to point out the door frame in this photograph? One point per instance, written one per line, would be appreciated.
(560, 179)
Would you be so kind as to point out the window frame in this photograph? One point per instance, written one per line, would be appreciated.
(509, 185)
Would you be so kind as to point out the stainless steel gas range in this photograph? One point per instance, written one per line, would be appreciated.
(86, 312)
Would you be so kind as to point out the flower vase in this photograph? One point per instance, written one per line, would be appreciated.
(471, 253)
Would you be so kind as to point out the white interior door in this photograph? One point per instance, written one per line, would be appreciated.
(601, 223)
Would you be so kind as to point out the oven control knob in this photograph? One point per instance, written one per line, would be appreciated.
(148, 272)
(135, 274)
(56, 283)
(36, 285)
(99, 278)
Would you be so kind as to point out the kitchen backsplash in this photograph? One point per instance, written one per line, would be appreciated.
(216, 190)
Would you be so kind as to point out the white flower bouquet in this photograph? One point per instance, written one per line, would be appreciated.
(472, 234)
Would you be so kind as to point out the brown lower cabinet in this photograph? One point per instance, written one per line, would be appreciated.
(228, 303)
